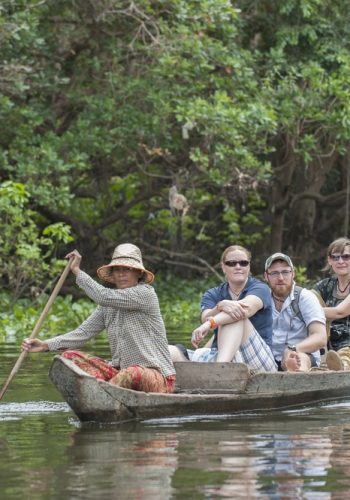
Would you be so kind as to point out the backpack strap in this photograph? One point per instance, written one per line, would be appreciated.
(296, 309)
(295, 302)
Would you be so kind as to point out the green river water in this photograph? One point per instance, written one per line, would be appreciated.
(45, 453)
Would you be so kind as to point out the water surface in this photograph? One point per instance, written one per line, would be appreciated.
(45, 453)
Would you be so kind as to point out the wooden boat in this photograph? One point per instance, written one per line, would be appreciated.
(201, 389)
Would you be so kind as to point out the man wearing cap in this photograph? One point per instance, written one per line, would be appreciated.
(296, 336)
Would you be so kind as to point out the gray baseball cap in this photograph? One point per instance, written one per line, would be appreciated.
(278, 256)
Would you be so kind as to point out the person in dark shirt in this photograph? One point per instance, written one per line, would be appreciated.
(333, 290)
(239, 311)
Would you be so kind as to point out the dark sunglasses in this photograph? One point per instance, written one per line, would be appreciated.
(233, 263)
(335, 257)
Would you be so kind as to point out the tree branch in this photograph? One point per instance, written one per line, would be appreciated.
(186, 256)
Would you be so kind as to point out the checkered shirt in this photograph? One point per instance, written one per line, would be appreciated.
(134, 324)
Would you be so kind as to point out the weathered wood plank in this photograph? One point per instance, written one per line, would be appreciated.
(209, 377)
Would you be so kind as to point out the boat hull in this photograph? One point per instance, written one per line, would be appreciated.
(205, 389)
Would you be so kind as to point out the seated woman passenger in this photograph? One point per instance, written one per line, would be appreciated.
(338, 360)
(334, 291)
(240, 312)
(131, 315)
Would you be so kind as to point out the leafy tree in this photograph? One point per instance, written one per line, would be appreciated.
(118, 102)
(27, 255)
(302, 49)
(242, 106)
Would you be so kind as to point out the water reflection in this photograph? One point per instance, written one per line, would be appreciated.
(134, 464)
(46, 453)
(287, 457)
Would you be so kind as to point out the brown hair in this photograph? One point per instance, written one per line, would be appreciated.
(337, 246)
(232, 248)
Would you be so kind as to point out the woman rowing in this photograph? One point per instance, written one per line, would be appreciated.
(131, 315)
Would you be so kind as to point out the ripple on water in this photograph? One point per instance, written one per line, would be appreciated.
(16, 411)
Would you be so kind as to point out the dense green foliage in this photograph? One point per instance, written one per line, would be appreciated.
(242, 106)
(27, 255)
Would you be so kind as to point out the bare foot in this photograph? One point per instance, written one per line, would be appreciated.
(292, 362)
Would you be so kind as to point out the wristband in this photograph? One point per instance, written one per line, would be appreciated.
(212, 322)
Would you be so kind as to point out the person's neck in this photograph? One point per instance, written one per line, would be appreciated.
(343, 283)
(237, 288)
(278, 300)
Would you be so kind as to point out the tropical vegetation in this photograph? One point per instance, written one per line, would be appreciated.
(180, 125)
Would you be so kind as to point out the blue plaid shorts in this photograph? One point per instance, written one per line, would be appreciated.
(255, 353)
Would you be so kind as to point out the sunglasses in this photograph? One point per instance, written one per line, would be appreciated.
(336, 256)
(234, 263)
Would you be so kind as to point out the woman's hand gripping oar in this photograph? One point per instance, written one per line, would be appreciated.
(37, 326)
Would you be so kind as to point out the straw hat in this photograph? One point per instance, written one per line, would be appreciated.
(126, 255)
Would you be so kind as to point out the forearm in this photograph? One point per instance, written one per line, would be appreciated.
(312, 343)
(335, 312)
(96, 292)
(251, 305)
(241, 309)
(209, 324)
(141, 297)
(91, 327)
(209, 313)
(227, 311)
(71, 340)
(339, 311)
(220, 318)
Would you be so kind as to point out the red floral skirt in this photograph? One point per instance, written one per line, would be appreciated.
(133, 377)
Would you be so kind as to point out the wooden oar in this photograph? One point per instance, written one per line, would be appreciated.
(37, 326)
